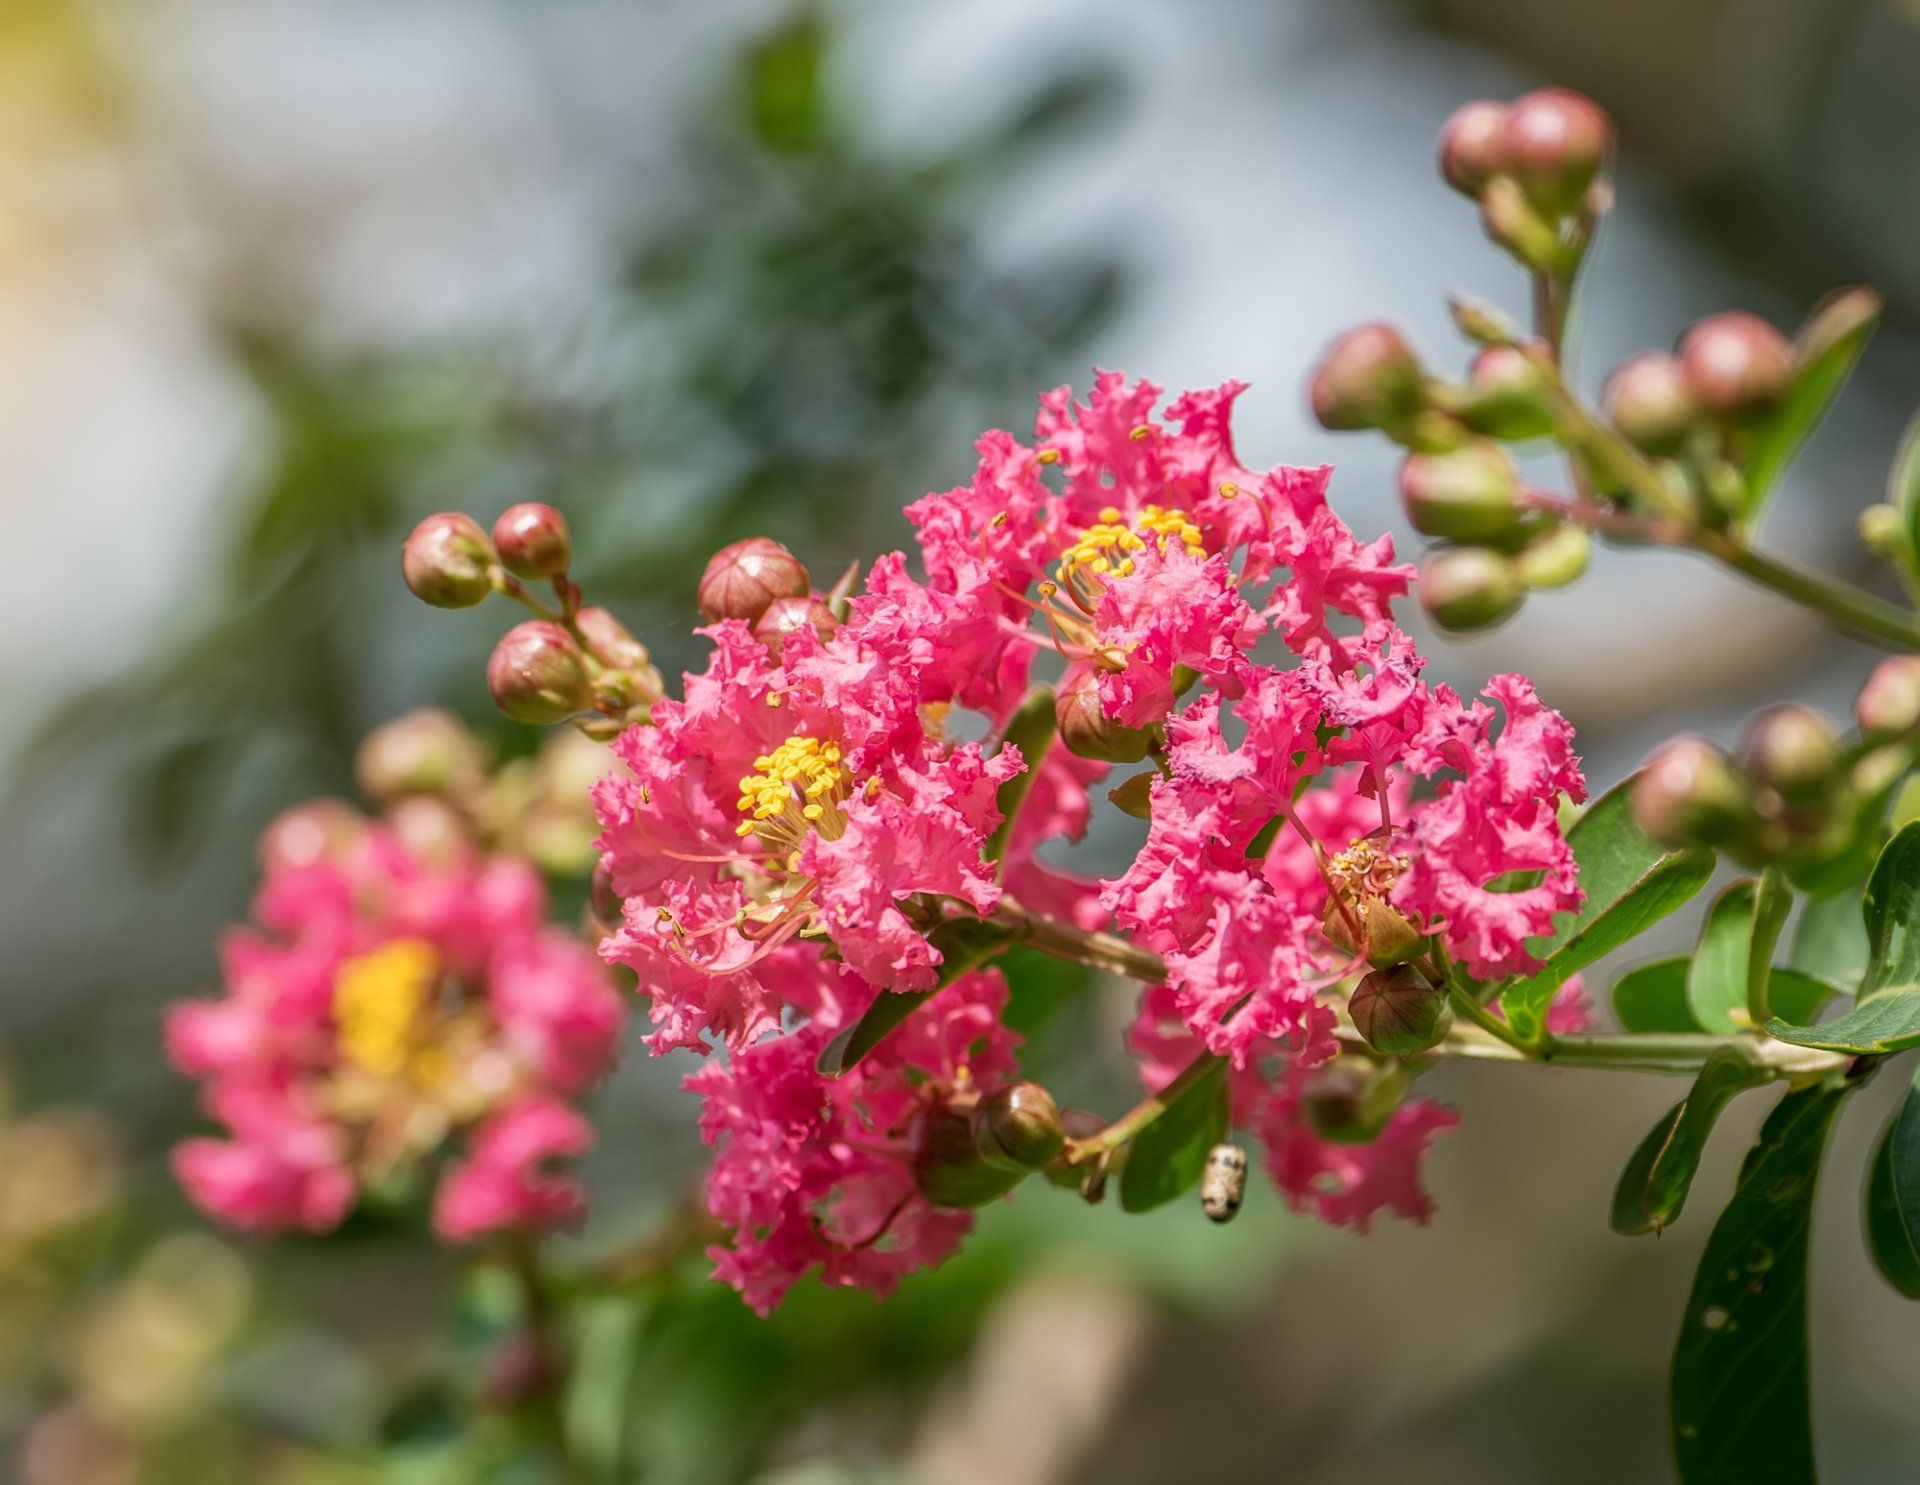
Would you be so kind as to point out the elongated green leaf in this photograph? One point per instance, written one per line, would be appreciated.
(1890, 1022)
(1653, 1188)
(1717, 983)
(1771, 904)
(1653, 997)
(964, 944)
(1903, 482)
(1612, 854)
(1168, 1156)
(1669, 882)
(1030, 729)
(1824, 356)
(1738, 1394)
(1892, 910)
(1893, 1198)
(1797, 998)
(1830, 940)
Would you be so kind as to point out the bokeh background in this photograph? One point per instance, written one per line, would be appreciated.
(277, 277)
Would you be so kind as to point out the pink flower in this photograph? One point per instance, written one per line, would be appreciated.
(506, 1181)
(1349, 1185)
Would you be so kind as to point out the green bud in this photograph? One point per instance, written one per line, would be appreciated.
(1889, 703)
(1514, 225)
(1389, 937)
(1791, 750)
(1883, 531)
(1471, 494)
(1648, 400)
(1507, 396)
(1556, 559)
(949, 1169)
(1085, 729)
(447, 561)
(1398, 1013)
(1690, 793)
(537, 674)
(1349, 1100)
(429, 751)
(1018, 1127)
(1481, 322)
(1368, 378)
(1469, 587)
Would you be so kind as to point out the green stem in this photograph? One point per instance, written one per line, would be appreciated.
(1146, 1111)
(1465, 1005)
(547, 1407)
(1845, 607)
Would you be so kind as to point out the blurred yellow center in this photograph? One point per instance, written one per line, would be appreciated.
(796, 788)
(379, 1002)
(1104, 548)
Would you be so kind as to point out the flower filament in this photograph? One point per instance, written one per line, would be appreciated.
(1104, 548)
(797, 788)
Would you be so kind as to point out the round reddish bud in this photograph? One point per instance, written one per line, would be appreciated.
(448, 561)
(319, 830)
(1368, 378)
(1471, 494)
(1649, 400)
(1791, 749)
(1508, 394)
(431, 829)
(429, 751)
(1473, 145)
(1349, 1100)
(786, 615)
(744, 579)
(948, 1168)
(1085, 729)
(533, 540)
(1889, 703)
(608, 908)
(1736, 365)
(1690, 793)
(1556, 142)
(1018, 1127)
(537, 674)
(1398, 1013)
(1556, 559)
(1469, 588)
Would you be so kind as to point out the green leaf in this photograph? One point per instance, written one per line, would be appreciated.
(1631, 884)
(1738, 1393)
(1830, 940)
(1771, 904)
(1797, 997)
(1893, 1198)
(1717, 983)
(1824, 355)
(1903, 482)
(1653, 997)
(1892, 908)
(964, 944)
(1030, 729)
(1653, 1188)
(1168, 1156)
(1890, 1022)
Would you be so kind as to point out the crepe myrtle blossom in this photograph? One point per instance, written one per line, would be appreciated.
(382, 1012)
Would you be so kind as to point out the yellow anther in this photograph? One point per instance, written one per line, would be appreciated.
(1047, 456)
(798, 787)
(1104, 547)
(379, 1001)
(1228, 489)
(1142, 430)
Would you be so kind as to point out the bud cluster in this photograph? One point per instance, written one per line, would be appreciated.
(572, 663)
(1795, 794)
(1534, 166)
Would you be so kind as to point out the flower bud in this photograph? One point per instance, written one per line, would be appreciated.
(537, 674)
(611, 641)
(1368, 378)
(1689, 793)
(742, 580)
(533, 540)
(1471, 494)
(1473, 146)
(1889, 703)
(1736, 365)
(1398, 1012)
(1469, 588)
(1386, 935)
(319, 830)
(1349, 1100)
(947, 1167)
(447, 561)
(1018, 1127)
(1791, 750)
(1648, 399)
(432, 830)
(1085, 729)
(1556, 141)
(1508, 395)
(1555, 559)
(1512, 223)
(785, 615)
(1883, 531)
(429, 751)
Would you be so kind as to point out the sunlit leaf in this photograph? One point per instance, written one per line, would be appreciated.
(1168, 1156)
(1824, 356)
(1890, 1022)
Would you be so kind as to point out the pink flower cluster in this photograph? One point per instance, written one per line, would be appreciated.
(382, 1012)
(787, 836)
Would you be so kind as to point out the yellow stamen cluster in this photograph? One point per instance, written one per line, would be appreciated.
(379, 1001)
(797, 787)
(1365, 869)
(1102, 550)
